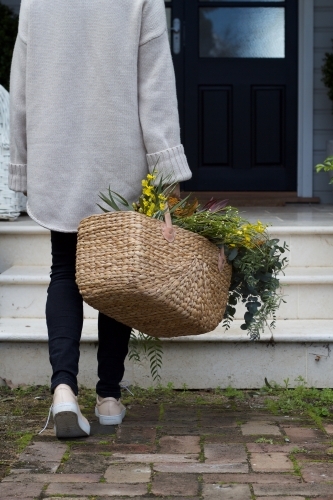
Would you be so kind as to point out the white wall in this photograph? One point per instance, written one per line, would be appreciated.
(323, 116)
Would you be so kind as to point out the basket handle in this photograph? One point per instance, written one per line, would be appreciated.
(168, 230)
(169, 234)
(222, 260)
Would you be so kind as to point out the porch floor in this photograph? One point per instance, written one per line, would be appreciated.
(289, 215)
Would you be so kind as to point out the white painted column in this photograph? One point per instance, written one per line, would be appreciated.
(305, 98)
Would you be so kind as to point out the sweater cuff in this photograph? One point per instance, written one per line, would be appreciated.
(17, 177)
(171, 164)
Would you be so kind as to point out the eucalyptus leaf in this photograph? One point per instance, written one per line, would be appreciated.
(248, 317)
(233, 254)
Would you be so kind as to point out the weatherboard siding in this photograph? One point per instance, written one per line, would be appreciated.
(323, 107)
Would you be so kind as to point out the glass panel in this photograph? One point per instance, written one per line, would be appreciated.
(168, 16)
(242, 32)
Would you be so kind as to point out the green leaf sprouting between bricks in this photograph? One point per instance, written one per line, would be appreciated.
(149, 347)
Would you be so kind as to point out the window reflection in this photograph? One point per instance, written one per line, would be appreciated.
(168, 16)
(257, 32)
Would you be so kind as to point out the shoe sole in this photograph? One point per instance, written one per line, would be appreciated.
(110, 420)
(67, 422)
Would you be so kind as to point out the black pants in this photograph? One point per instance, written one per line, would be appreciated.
(64, 316)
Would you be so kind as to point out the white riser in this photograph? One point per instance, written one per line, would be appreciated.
(28, 301)
(27, 243)
(301, 348)
(24, 250)
(23, 292)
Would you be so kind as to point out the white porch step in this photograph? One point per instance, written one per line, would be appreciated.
(297, 348)
(306, 292)
(23, 291)
(289, 331)
(301, 347)
(23, 242)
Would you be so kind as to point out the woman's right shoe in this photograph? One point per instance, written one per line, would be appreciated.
(109, 411)
(68, 419)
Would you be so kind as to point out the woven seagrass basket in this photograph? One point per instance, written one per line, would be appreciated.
(126, 269)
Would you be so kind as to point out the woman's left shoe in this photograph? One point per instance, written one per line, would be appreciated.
(109, 411)
(68, 419)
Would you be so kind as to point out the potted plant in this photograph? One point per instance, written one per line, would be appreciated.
(327, 70)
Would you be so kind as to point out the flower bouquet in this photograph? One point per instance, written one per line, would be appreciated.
(210, 259)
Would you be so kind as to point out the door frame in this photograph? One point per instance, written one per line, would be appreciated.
(305, 98)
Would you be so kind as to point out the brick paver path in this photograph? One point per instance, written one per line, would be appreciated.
(180, 451)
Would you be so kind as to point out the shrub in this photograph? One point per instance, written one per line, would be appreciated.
(327, 70)
(8, 33)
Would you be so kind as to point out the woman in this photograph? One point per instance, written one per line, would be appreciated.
(93, 104)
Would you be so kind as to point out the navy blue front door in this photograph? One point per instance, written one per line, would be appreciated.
(236, 71)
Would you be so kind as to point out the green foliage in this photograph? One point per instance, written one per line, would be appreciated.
(149, 347)
(113, 201)
(316, 403)
(297, 450)
(202, 457)
(264, 440)
(161, 414)
(23, 440)
(297, 468)
(255, 283)
(327, 166)
(8, 33)
(327, 70)
(230, 392)
(66, 456)
(256, 262)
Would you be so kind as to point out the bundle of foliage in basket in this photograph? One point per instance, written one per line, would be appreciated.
(149, 274)
(256, 259)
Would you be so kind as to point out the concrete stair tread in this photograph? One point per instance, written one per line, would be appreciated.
(40, 275)
(26, 274)
(34, 330)
(290, 225)
(24, 224)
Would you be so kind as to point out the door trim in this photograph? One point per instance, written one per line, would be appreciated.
(305, 98)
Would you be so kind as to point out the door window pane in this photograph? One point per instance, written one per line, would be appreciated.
(242, 32)
(168, 16)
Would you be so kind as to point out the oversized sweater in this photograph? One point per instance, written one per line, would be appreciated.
(93, 105)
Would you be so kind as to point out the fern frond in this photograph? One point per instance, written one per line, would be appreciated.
(149, 347)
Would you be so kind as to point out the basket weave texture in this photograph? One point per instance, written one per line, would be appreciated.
(127, 270)
(11, 203)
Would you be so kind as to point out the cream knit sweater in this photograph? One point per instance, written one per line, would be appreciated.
(93, 104)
